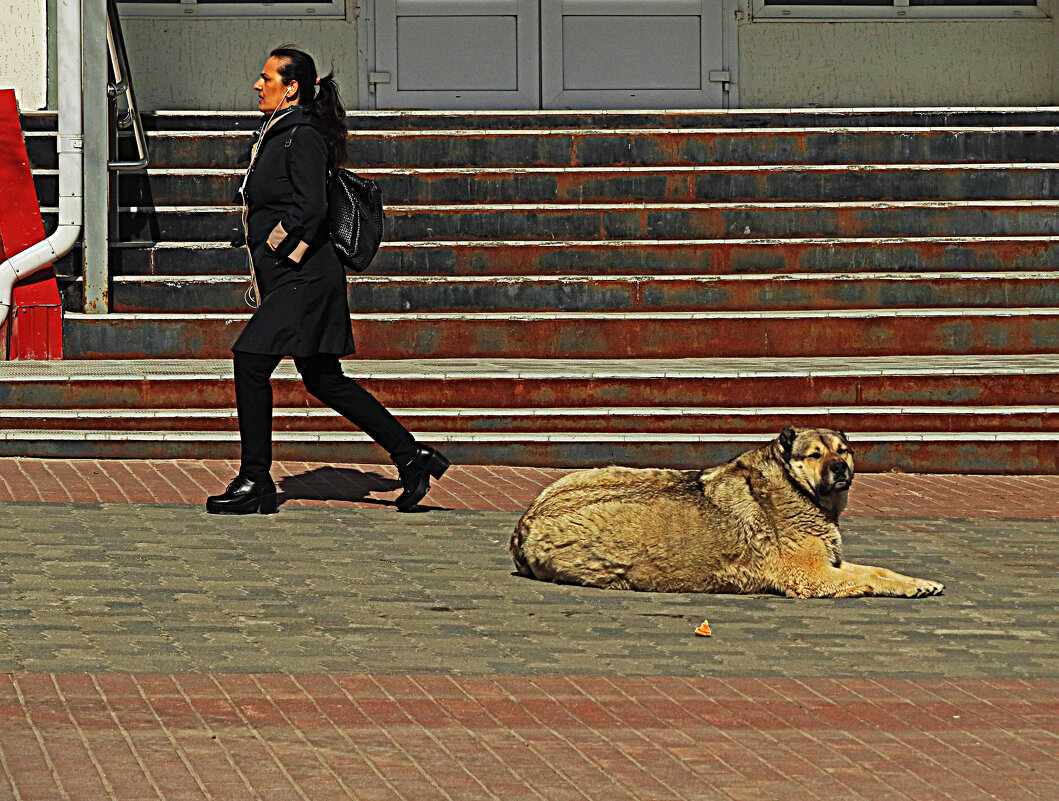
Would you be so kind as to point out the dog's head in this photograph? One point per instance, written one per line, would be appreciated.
(819, 461)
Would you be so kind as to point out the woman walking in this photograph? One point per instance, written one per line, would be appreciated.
(299, 287)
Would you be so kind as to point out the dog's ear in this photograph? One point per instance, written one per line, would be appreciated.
(845, 441)
(786, 441)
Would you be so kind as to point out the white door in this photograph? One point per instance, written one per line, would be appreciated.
(644, 54)
(550, 54)
(456, 54)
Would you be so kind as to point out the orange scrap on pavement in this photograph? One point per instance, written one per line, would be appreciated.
(704, 629)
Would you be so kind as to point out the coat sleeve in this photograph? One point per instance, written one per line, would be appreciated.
(303, 220)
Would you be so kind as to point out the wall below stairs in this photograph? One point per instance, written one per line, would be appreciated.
(899, 64)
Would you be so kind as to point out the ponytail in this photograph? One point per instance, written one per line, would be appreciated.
(327, 107)
(318, 96)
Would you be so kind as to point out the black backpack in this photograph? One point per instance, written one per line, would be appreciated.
(355, 215)
(354, 209)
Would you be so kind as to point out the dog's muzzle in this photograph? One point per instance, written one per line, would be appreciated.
(837, 477)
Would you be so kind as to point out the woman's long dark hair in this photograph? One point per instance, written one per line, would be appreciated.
(321, 99)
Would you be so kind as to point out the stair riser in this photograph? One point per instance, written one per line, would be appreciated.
(927, 457)
(425, 120)
(637, 223)
(546, 148)
(397, 259)
(649, 148)
(492, 392)
(576, 338)
(609, 295)
(609, 422)
(682, 187)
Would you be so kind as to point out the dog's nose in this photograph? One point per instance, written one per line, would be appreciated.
(839, 469)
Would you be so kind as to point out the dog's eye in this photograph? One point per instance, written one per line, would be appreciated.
(812, 456)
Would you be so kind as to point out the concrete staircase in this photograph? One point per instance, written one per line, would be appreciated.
(571, 289)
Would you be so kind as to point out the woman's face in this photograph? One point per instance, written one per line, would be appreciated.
(271, 92)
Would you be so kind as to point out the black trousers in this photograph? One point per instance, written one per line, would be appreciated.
(323, 377)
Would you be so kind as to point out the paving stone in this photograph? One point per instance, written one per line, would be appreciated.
(338, 651)
(213, 590)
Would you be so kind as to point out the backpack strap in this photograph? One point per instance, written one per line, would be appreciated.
(287, 149)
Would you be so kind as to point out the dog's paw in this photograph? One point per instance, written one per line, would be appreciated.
(921, 588)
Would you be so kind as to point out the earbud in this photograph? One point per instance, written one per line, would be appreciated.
(289, 90)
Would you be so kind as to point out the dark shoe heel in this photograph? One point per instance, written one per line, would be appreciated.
(269, 504)
(415, 472)
(437, 463)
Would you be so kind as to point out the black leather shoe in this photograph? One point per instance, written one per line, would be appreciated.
(415, 475)
(245, 497)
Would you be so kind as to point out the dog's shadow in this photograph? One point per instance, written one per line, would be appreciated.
(341, 484)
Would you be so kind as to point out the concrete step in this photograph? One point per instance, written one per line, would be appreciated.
(974, 453)
(776, 292)
(635, 147)
(587, 147)
(952, 414)
(171, 120)
(600, 335)
(738, 118)
(610, 420)
(906, 382)
(643, 221)
(617, 257)
(179, 186)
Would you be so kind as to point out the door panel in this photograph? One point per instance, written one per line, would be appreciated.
(631, 53)
(458, 54)
(422, 66)
(551, 54)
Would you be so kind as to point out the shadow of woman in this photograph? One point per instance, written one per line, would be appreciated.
(340, 484)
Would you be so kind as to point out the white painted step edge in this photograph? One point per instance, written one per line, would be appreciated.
(726, 169)
(903, 277)
(514, 317)
(479, 438)
(75, 370)
(634, 243)
(637, 205)
(503, 413)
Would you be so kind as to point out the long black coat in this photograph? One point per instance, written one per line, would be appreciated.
(303, 308)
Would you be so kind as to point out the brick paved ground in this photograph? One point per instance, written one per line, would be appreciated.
(341, 651)
(474, 487)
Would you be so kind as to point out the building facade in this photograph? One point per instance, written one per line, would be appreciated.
(555, 54)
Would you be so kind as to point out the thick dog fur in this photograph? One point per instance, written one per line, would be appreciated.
(764, 522)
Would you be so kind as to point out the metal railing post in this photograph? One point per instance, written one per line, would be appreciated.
(96, 156)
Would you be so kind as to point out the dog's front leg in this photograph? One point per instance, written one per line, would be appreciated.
(809, 578)
(880, 581)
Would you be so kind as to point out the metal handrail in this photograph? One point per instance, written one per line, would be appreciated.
(122, 85)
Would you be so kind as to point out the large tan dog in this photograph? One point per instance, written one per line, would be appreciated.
(764, 522)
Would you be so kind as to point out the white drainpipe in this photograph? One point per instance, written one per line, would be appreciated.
(68, 231)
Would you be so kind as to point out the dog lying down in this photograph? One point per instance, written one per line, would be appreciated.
(765, 522)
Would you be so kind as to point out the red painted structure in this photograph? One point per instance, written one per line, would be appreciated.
(34, 325)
